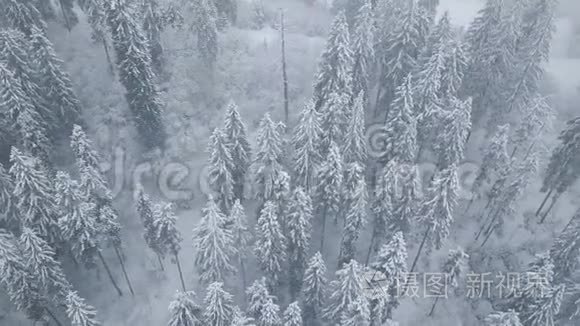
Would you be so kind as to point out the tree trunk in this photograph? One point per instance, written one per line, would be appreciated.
(433, 307)
(544, 201)
(468, 135)
(514, 152)
(488, 235)
(109, 273)
(371, 246)
(284, 73)
(118, 253)
(160, 262)
(64, 15)
(180, 272)
(109, 60)
(420, 249)
(52, 316)
(483, 225)
(244, 280)
(323, 229)
(554, 200)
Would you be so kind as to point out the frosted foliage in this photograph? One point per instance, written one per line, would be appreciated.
(314, 288)
(267, 161)
(305, 140)
(270, 246)
(184, 311)
(293, 315)
(80, 313)
(347, 288)
(218, 306)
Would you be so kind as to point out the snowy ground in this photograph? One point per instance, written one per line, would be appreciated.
(249, 72)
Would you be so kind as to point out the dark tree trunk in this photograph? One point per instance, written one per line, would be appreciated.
(108, 55)
(544, 201)
(109, 273)
(244, 280)
(160, 262)
(53, 317)
(284, 74)
(323, 229)
(177, 262)
(122, 262)
(371, 246)
(433, 307)
(420, 249)
(65, 16)
(554, 200)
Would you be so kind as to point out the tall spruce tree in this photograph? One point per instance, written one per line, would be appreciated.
(242, 235)
(314, 290)
(382, 205)
(270, 246)
(213, 244)
(334, 121)
(347, 288)
(406, 198)
(456, 62)
(357, 313)
(454, 268)
(22, 15)
(270, 315)
(207, 31)
(218, 306)
(328, 191)
(298, 230)
(221, 166)
(335, 66)
(240, 318)
(145, 209)
(185, 311)
(237, 140)
(451, 141)
(355, 220)
(293, 315)
(268, 160)
(167, 237)
(136, 72)
(80, 313)
(363, 52)
(257, 294)
(153, 25)
(354, 149)
(306, 141)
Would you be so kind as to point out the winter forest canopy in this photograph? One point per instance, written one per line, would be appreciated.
(289, 163)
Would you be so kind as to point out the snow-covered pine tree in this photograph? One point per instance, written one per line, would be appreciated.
(152, 27)
(207, 31)
(22, 117)
(454, 129)
(144, 208)
(239, 147)
(34, 195)
(136, 72)
(363, 52)
(440, 34)
(347, 288)
(353, 173)
(355, 220)
(293, 315)
(406, 198)
(403, 44)
(167, 236)
(382, 205)
(391, 261)
(270, 314)
(566, 249)
(62, 101)
(454, 269)
(95, 11)
(563, 168)
(7, 200)
(428, 82)
(270, 246)
(334, 77)
(334, 121)
(268, 160)
(213, 244)
(500, 318)
(545, 310)
(328, 191)
(218, 306)
(227, 10)
(354, 149)
(314, 289)
(80, 229)
(306, 143)
(39, 259)
(357, 313)
(242, 235)
(240, 319)
(456, 62)
(436, 212)
(281, 195)
(80, 313)
(221, 166)
(22, 15)
(298, 230)
(185, 311)
(401, 126)
(537, 120)
(257, 294)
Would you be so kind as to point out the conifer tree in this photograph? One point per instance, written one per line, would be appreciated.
(355, 220)
(406, 199)
(293, 315)
(347, 288)
(334, 76)
(221, 166)
(257, 294)
(452, 139)
(218, 306)
(391, 261)
(306, 141)
(166, 235)
(401, 126)
(566, 249)
(298, 230)
(363, 40)
(328, 191)
(227, 10)
(537, 120)
(270, 314)
(500, 318)
(95, 11)
(80, 313)
(22, 16)
(7, 200)
(268, 160)
(270, 246)
(39, 258)
(354, 149)
(545, 310)
(213, 244)
(33, 192)
(240, 319)
(357, 313)
(382, 205)
(145, 210)
(563, 168)
(428, 83)
(136, 72)
(80, 228)
(239, 148)
(440, 34)
(436, 213)
(456, 62)
(242, 235)
(184, 310)
(314, 289)
(334, 121)
(454, 269)
(153, 26)
(207, 31)
(62, 100)
(281, 195)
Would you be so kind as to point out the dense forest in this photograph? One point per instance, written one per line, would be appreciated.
(286, 163)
